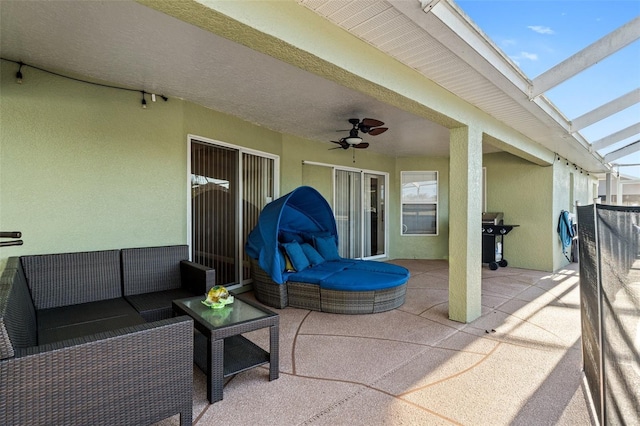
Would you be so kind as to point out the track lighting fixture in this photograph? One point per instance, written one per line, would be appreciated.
(144, 101)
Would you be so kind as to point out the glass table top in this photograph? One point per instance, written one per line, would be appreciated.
(237, 312)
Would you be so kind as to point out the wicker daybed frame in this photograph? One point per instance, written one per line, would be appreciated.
(316, 298)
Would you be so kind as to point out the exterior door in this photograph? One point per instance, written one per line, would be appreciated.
(229, 188)
(360, 213)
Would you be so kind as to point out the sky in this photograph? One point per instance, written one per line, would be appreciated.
(539, 34)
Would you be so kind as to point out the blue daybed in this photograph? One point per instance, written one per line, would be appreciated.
(295, 262)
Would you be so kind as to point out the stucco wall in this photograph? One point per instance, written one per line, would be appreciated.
(85, 167)
(429, 246)
(569, 186)
(520, 190)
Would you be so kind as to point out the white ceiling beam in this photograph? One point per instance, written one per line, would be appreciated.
(623, 152)
(606, 110)
(591, 55)
(616, 137)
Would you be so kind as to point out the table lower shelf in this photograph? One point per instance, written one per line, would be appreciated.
(240, 354)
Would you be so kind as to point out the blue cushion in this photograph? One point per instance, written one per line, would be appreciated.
(335, 265)
(309, 276)
(327, 247)
(374, 266)
(295, 253)
(314, 257)
(288, 236)
(359, 280)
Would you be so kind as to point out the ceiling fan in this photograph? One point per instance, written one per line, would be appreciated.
(369, 126)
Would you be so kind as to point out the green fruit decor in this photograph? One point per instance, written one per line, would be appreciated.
(218, 297)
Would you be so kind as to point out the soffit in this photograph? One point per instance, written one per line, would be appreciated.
(439, 49)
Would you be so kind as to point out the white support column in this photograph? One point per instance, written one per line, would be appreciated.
(609, 185)
(465, 224)
(619, 192)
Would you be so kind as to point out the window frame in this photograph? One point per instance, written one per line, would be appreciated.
(414, 202)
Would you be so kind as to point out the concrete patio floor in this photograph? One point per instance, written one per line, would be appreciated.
(518, 364)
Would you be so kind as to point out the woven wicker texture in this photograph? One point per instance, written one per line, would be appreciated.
(134, 373)
(72, 278)
(304, 296)
(17, 315)
(155, 276)
(347, 302)
(313, 297)
(150, 269)
(266, 290)
(132, 376)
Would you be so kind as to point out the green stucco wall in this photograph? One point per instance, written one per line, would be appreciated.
(430, 246)
(86, 168)
(520, 190)
(570, 185)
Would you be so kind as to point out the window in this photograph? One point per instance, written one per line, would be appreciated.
(419, 201)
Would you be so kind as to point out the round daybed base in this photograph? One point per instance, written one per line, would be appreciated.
(313, 297)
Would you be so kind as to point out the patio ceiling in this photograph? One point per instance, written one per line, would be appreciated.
(437, 39)
(134, 46)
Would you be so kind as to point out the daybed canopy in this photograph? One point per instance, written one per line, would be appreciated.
(302, 211)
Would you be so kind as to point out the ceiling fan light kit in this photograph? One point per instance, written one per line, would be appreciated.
(367, 125)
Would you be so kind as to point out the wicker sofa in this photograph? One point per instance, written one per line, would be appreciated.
(88, 338)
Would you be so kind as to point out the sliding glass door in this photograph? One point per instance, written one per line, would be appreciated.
(229, 188)
(360, 213)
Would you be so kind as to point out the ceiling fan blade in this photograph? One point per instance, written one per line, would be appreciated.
(371, 122)
(342, 143)
(378, 130)
(361, 145)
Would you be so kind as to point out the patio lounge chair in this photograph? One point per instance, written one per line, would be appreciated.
(295, 261)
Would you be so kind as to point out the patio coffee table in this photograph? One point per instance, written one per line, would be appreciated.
(227, 352)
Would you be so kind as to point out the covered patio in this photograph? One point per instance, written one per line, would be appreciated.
(519, 363)
(105, 106)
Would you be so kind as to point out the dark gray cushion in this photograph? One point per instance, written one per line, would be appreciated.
(70, 322)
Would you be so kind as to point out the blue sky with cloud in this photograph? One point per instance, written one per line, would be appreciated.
(538, 35)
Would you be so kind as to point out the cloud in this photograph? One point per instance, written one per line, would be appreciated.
(540, 29)
(517, 59)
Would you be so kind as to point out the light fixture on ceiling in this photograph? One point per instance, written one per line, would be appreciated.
(19, 77)
(353, 140)
(19, 73)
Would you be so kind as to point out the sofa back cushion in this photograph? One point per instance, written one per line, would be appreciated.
(71, 278)
(17, 314)
(151, 269)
